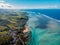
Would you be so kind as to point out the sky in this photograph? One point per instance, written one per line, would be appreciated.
(30, 4)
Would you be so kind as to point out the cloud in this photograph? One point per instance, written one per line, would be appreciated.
(2, 1)
(5, 5)
(38, 7)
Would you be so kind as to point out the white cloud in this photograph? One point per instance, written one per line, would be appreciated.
(51, 18)
(55, 6)
(2, 1)
(45, 7)
(4, 5)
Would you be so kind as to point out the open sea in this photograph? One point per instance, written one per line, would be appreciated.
(54, 13)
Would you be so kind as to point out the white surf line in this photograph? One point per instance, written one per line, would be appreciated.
(51, 18)
(46, 16)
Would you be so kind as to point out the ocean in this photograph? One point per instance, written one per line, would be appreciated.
(54, 13)
(44, 30)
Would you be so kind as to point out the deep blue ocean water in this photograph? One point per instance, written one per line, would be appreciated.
(54, 13)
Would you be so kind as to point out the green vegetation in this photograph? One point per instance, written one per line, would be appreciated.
(4, 32)
(4, 39)
(8, 22)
